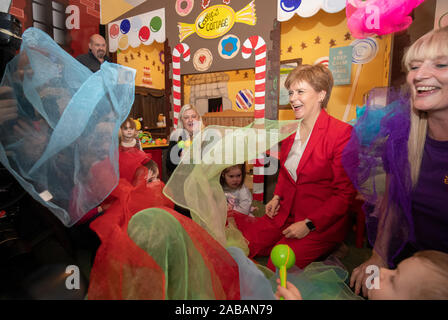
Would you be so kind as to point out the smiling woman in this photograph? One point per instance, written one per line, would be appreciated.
(412, 212)
(309, 209)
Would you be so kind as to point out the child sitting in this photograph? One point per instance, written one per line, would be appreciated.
(148, 175)
(239, 198)
(424, 276)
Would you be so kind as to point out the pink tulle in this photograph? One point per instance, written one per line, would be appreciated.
(380, 17)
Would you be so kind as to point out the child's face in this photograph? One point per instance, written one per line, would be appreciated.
(233, 178)
(400, 283)
(127, 131)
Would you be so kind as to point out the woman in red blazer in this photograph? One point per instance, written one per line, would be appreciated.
(309, 209)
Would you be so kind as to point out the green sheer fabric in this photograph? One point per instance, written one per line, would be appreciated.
(195, 182)
(196, 267)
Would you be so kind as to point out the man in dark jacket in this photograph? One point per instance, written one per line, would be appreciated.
(97, 53)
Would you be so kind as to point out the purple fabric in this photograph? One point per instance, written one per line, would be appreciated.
(429, 198)
(378, 148)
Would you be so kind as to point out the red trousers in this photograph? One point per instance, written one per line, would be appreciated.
(263, 235)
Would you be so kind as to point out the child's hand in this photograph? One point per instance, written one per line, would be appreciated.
(288, 293)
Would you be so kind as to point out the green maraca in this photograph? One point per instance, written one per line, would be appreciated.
(283, 258)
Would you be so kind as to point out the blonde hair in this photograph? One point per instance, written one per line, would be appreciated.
(435, 287)
(317, 76)
(430, 46)
(185, 108)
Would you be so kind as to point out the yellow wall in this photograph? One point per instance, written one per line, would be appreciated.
(145, 56)
(332, 27)
(244, 79)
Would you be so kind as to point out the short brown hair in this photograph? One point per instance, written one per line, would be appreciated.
(318, 76)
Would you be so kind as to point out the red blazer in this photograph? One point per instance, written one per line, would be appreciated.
(323, 191)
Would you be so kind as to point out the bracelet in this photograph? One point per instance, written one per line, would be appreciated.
(278, 197)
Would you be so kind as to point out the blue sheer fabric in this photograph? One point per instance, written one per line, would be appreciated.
(63, 145)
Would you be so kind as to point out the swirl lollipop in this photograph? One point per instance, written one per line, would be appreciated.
(364, 51)
(283, 258)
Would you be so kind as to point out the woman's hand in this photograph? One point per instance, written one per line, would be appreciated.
(273, 206)
(289, 293)
(359, 275)
(297, 230)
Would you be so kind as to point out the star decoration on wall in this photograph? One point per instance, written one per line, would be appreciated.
(347, 36)
(317, 40)
(332, 43)
(146, 57)
(138, 54)
(132, 56)
(289, 49)
(237, 72)
(126, 59)
(158, 68)
(303, 45)
(246, 75)
(153, 63)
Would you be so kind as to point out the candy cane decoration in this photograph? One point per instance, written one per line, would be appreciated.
(257, 44)
(180, 49)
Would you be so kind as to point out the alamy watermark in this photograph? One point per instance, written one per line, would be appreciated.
(373, 14)
(73, 280)
(373, 280)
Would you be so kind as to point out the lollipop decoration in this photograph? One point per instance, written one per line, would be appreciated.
(180, 49)
(257, 44)
(364, 51)
(283, 258)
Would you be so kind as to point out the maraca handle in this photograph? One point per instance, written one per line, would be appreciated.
(283, 278)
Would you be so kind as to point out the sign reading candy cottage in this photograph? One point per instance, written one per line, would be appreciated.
(217, 20)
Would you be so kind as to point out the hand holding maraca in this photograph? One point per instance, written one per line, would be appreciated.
(288, 293)
(283, 258)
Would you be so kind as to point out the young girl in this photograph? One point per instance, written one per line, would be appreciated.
(424, 276)
(238, 195)
(128, 135)
(131, 154)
